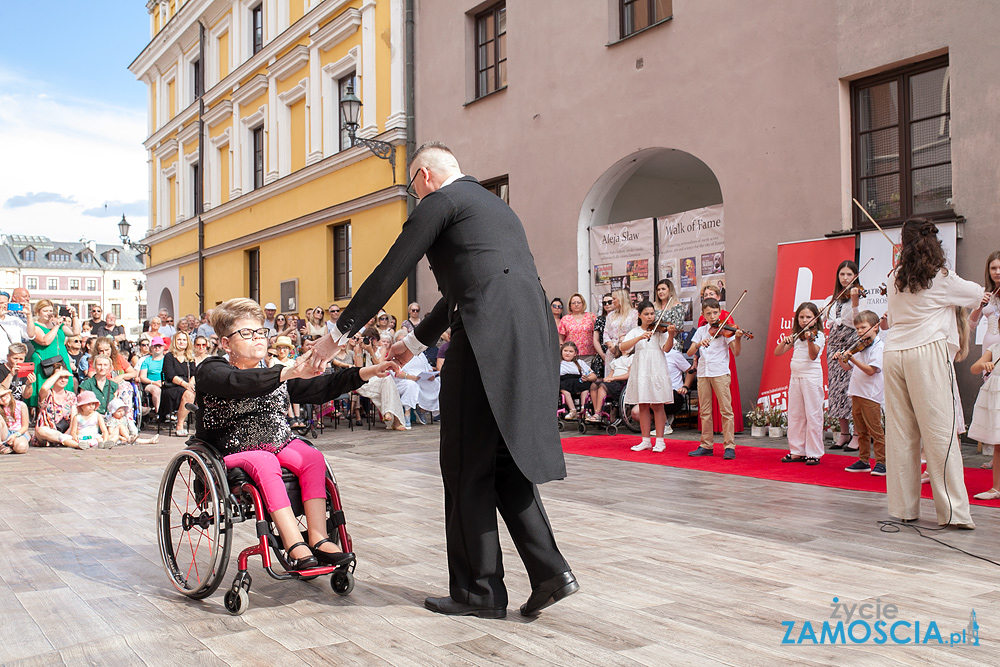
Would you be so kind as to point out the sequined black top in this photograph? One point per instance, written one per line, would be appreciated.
(241, 410)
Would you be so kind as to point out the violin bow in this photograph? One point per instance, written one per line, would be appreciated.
(730, 314)
(826, 308)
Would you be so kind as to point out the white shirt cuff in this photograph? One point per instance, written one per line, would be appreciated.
(337, 333)
(413, 345)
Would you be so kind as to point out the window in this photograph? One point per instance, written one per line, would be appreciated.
(116, 284)
(491, 50)
(257, 135)
(196, 203)
(342, 261)
(31, 283)
(112, 256)
(116, 310)
(91, 284)
(499, 186)
(637, 15)
(86, 258)
(196, 77)
(901, 122)
(142, 311)
(52, 284)
(59, 256)
(253, 263)
(74, 284)
(257, 27)
(28, 254)
(345, 82)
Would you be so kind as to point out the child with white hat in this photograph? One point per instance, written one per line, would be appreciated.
(121, 428)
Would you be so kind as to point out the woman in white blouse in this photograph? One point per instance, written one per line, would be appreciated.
(919, 378)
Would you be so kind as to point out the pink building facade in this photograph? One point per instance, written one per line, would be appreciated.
(780, 111)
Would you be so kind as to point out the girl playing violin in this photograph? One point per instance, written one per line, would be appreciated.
(866, 390)
(805, 386)
(649, 384)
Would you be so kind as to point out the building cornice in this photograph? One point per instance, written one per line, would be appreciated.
(250, 90)
(336, 31)
(338, 211)
(220, 112)
(172, 125)
(290, 63)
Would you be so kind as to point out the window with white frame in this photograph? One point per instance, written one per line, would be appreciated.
(116, 310)
(349, 80)
(116, 284)
(31, 283)
(91, 284)
(257, 28)
(52, 284)
(74, 284)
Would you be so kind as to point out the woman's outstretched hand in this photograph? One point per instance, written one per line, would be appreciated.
(380, 370)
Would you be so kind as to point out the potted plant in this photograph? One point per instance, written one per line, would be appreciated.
(831, 427)
(757, 418)
(775, 422)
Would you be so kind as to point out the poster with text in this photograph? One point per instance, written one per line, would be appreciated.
(621, 255)
(692, 244)
(804, 272)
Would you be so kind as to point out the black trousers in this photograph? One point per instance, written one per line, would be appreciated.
(480, 477)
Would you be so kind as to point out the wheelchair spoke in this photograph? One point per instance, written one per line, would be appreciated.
(194, 558)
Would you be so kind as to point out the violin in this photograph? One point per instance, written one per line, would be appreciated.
(729, 331)
(862, 343)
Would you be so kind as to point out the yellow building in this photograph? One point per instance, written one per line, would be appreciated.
(255, 188)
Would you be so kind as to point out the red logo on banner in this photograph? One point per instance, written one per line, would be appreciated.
(805, 271)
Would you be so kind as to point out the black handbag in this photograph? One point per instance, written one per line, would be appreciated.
(49, 365)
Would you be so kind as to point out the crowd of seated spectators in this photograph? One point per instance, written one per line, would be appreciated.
(81, 381)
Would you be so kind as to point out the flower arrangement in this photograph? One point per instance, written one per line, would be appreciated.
(757, 417)
(775, 417)
(830, 423)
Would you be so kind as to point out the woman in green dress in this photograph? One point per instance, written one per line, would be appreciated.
(50, 341)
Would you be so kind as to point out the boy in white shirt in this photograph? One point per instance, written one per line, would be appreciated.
(713, 378)
(866, 390)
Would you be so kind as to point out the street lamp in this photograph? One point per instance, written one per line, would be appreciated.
(123, 228)
(350, 111)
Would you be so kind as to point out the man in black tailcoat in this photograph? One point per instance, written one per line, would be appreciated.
(498, 388)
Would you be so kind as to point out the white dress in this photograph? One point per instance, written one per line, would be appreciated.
(649, 377)
(985, 425)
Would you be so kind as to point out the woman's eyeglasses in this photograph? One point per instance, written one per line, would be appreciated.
(608, 303)
(383, 317)
(201, 344)
(556, 306)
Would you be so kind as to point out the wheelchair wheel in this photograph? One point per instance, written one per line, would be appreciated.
(625, 414)
(193, 529)
(237, 602)
(342, 582)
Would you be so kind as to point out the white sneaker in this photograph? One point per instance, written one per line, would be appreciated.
(660, 446)
(668, 429)
(642, 446)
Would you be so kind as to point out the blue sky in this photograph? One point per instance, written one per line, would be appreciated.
(72, 118)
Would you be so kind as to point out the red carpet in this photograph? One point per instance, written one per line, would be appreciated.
(760, 462)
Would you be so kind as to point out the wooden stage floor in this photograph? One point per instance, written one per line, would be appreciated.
(677, 567)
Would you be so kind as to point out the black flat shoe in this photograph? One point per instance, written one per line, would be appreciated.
(335, 558)
(304, 563)
(449, 607)
(549, 592)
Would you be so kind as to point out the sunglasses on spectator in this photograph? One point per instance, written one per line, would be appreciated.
(201, 344)
(609, 302)
(383, 317)
(142, 344)
(334, 310)
(557, 306)
(414, 310)
(248, 333)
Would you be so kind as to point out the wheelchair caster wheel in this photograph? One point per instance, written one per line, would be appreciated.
(612, 430)
(342, 582)
(562, 425)
(582, 426)
(237, 602)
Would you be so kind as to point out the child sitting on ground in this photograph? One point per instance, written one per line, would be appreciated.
(87, 425)
(575, 377)
(121, 429)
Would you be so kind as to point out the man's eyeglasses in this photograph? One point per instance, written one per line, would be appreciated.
(247, 333)
(410, 190)
(334, 311)
(142, 344)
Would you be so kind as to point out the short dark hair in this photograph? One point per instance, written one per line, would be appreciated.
(711, 303)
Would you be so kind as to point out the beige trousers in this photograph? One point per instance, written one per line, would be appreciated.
(920, 411)
(720, 387)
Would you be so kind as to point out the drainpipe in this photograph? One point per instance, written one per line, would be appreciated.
(411, 132)
(199, 202)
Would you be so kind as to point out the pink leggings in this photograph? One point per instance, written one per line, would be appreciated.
(264, 467)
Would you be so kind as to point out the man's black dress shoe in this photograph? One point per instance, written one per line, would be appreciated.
(549, 592)
(449, 607)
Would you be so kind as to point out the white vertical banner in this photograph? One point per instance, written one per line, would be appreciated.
(875, 247)
(692, 251)
(621, 257)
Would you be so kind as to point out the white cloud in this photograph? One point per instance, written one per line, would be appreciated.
(88, 151)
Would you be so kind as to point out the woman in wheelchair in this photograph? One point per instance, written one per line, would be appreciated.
(242, 408)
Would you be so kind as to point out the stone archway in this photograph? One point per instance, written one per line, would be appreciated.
(166, 302)
(648, 183)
